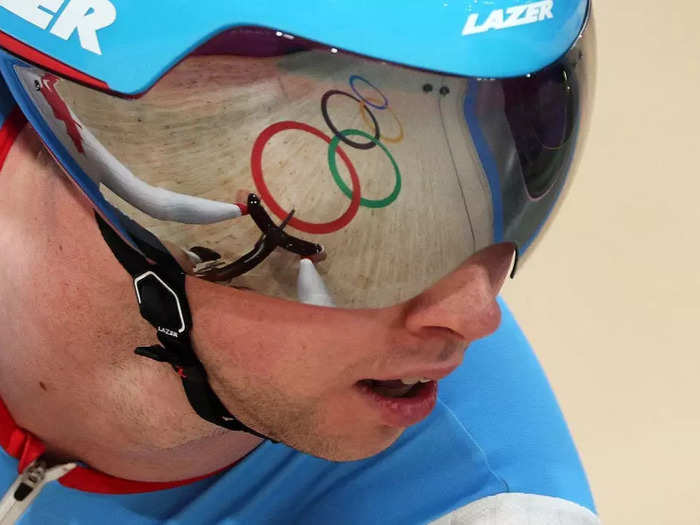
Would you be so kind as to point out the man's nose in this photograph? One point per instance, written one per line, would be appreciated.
(463, 304)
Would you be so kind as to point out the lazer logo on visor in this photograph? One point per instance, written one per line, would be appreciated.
(86, 17)
(518, 15)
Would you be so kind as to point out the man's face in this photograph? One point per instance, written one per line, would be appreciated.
(286, 369)
(291, 371)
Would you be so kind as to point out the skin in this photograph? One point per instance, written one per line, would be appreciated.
(68, 373)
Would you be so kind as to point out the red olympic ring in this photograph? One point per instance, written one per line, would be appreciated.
(266, 196)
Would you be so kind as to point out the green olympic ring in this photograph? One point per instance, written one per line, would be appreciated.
(367, 203)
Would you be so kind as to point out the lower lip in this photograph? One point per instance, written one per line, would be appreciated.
(402, 412)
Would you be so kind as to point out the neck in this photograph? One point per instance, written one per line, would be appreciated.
(68, 373)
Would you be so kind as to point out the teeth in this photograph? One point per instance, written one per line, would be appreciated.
(414, 380)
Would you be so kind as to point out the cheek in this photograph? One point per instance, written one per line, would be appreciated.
(267, 362)
(301, 372)
(302, 351)
(293, 360)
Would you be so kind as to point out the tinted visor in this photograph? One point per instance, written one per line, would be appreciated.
(260, 149)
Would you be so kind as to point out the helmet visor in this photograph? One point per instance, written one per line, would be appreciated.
(399, 174)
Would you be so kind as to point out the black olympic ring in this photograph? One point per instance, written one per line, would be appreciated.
(336, 132)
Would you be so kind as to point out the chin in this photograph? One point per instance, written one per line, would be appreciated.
(349, 448)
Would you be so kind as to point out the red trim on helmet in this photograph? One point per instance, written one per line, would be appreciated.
(14, 123)
(37, 57)
(26, 447)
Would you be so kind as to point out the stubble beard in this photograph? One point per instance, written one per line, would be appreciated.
(297, 424)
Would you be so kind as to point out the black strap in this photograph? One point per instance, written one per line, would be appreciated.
(160, 290)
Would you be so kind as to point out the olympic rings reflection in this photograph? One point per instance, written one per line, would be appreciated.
(336, 132)
(356, 199)
(266, 196)
(367, 203)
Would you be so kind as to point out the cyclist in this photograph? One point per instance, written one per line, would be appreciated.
(301, 225)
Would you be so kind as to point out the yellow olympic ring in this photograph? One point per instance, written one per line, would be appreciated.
(363, 111)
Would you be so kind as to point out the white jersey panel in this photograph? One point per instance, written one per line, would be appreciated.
(520, 509)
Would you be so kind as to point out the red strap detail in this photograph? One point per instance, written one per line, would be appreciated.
(244, 208)
(7, 426)
(14, 123)
(24, 447)
(29, 53)
(18, 443)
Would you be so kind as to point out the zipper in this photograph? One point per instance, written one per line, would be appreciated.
(27, 487)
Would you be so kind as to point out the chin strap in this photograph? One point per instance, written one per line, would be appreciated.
(160, 291)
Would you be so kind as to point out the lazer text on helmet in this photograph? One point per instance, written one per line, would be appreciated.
(518, 15)
(86, 17)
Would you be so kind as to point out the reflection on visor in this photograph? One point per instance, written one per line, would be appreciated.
(399, 174)
(272, 237)
(541, 111)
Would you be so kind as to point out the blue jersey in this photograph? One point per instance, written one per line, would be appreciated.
(496, 448)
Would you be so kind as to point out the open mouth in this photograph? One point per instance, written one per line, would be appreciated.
(405, 401)
(400, 402)
(395, 388)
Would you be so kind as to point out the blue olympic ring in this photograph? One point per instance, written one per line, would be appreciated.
(353, 78)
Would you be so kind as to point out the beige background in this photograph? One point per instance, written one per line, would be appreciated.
(610, 299)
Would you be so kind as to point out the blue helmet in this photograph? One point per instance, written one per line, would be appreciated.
(347, 152)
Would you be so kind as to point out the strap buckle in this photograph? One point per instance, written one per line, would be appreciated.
(159, 304)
